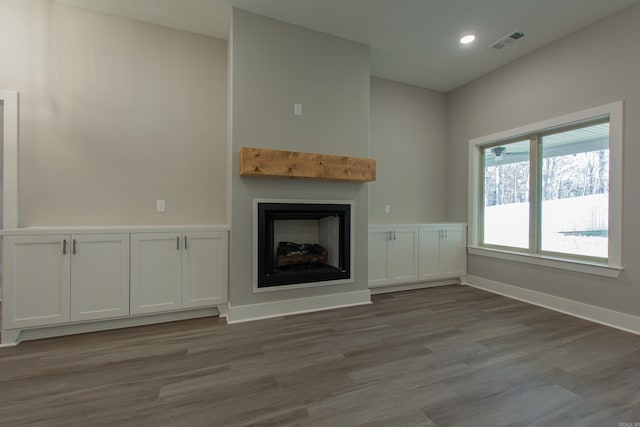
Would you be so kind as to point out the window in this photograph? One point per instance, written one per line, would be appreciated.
(549, 193)
(574, 186)
(506, 194)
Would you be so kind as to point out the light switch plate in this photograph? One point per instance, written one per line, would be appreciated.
(297, 109)
(161, 206)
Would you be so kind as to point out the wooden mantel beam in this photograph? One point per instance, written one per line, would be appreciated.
(293, 164)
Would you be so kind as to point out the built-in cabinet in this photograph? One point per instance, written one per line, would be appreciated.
(393, 255)
(99, 276)
(442, 251)
(205, 269)
(36, 281)
(177, 270)
(156, 272)
(416, 253)
(54, 279)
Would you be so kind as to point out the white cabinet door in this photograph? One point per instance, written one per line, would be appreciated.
(403, 255)
(99, 276)
(156, 272)
(453, 251)
(36, 281)
(204, 269)
(378, 257)
(429, 252)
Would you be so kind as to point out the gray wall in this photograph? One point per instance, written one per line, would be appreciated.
(114, 114)
(1, 164)
(594, 66)
(117, 113)
(274, 65)
(408, 139)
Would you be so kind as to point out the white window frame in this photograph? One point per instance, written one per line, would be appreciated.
(613, 264)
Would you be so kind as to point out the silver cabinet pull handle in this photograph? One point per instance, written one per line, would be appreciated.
(185, 243)
(391, 235)
(178, 243)
(64, 247)
(74, 247)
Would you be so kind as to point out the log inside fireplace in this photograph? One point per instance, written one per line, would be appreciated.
(290, 253)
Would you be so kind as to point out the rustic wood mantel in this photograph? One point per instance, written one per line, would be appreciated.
(293, 164)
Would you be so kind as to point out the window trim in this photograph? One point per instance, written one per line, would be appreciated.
(610, 267)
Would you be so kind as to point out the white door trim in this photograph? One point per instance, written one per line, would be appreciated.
(10, 159)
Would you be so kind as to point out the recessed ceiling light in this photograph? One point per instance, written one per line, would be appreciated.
(469, 38)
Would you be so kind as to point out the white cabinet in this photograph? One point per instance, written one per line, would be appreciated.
(430, 237)
(53, 279)
(442, 251)
(170, 271)
(393, 255)
(416, 253)
(453, 251)
(378, 257)
(36, 281)
(204, 269)
(156, 272)
(93, 278)
(99, 276)
(403, 258)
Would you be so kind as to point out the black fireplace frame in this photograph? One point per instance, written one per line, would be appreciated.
(268, 213)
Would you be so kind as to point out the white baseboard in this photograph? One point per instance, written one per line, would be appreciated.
(245, 313)
(604, 316)
(12, 337)
(375, 290)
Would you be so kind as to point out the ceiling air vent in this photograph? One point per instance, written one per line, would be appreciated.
(507, 40)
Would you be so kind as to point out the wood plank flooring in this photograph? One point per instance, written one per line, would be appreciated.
(448, 356)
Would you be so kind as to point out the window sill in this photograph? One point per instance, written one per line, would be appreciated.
(564, 264)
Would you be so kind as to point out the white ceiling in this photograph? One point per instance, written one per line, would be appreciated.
(412, 41)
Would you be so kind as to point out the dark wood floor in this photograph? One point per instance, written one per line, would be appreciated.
(449, 356)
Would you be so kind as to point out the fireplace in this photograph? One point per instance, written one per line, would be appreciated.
(302, 244)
